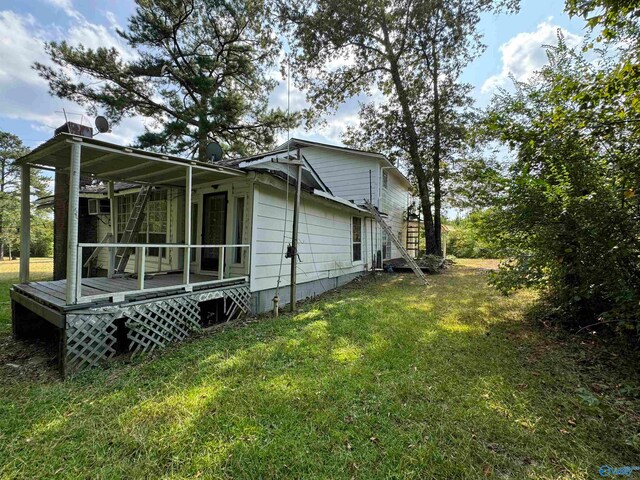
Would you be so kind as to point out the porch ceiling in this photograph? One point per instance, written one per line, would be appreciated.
(108, 161)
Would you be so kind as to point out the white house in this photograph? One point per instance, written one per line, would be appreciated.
(252, 209)
(207, 233)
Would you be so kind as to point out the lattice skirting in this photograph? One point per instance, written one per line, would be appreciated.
(89, 339)
(90, 335)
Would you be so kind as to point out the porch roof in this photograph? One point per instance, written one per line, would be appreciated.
(108, 161)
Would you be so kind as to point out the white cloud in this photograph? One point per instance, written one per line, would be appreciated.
(24, 94)
(525, 53)
(67, 7)
(18, 42)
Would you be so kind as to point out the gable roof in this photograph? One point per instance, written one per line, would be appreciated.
(298, 142)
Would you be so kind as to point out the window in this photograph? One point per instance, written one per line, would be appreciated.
(125, 205)
(385, 178)
(239, 229)
(154, 226)
(356, 238)
(386, 246)
(156, 221)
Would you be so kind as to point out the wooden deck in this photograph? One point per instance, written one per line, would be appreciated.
(53, 293)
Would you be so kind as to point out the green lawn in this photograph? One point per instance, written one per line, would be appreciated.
(39, 269)
(384, 379)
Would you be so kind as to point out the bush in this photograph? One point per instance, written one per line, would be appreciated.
(465, 240)
(568, 222)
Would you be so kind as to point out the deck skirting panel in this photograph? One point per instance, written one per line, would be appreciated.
(89, 336)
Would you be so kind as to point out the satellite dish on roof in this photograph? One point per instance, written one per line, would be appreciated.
(102, 124)
(214, 152)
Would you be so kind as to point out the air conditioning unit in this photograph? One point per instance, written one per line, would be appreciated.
(98, 206)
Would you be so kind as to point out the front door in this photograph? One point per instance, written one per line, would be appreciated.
(214, 228)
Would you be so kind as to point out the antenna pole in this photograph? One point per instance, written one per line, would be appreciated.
(371, 224)
(294, 235)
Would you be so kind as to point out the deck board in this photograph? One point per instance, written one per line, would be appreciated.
(53, 293)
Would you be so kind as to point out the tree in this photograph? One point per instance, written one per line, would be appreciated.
(11, 148)
(465, 239)
(200, 68)
(618, 19)
(568, 221)
(402, 47)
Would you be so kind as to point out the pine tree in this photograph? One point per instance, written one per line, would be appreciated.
(200, 68)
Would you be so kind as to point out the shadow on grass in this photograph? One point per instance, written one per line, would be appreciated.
(387, 379)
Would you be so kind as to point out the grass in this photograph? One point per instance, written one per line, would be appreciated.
(39, 269)
(384, 379)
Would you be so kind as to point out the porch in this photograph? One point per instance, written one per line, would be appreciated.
(146, 294)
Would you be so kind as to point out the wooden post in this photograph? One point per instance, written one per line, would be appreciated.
(373, 265)
(294, 235)
(79, 274)
(141, 256)
(25, 222)
(221, 263)
(187, 226)
(113, 219)
(72, 237)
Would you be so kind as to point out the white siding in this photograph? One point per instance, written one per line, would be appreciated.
(324, 239)
(346, 174)
(393, 202)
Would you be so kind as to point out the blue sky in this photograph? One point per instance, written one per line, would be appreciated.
(514, 46)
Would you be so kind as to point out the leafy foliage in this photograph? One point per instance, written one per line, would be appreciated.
(410, 51)
(200, 68)
(465, 238)
(569, 218)
(11, 148)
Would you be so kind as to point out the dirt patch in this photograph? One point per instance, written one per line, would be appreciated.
(33, 361)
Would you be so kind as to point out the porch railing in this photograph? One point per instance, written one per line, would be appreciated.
(141, 250)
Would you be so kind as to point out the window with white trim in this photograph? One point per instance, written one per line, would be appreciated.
(154, 226)
(356, 238)
(385, 178)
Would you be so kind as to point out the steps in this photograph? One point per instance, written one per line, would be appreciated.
(410, 261)
(132, 228)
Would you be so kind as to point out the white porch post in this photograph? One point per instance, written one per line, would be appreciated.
(113, 239)
(72, 237)
(187, 226)
(25, 222)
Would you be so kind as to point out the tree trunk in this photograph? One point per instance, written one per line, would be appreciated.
(414, 155)
(437, 192)
(202, 137)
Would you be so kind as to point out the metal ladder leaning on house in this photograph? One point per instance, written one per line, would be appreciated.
(410, 261)
(131, 229)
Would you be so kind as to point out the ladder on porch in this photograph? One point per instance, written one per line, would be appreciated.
(131, 229)
(410, 261)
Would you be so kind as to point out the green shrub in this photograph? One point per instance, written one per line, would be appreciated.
(568, 222)
(465, 239)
